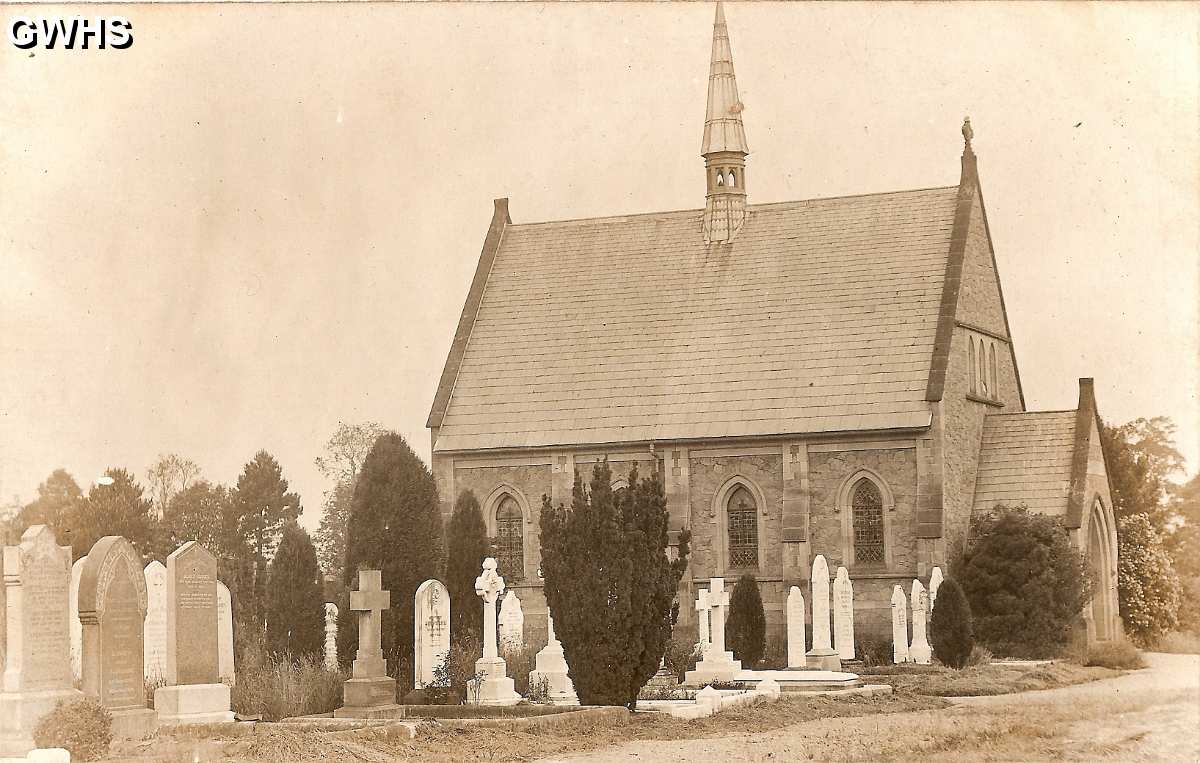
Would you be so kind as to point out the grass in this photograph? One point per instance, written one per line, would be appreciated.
(983, 680)
(1179, 642)
(278, 687)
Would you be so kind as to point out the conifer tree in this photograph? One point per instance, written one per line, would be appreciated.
(951, 633)
(466, 548)
(262, 505)
(295, 604)
(746, 629)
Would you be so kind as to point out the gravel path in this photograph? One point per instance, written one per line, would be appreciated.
(1148, 715)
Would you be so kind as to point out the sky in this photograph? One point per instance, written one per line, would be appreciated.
(261, 220)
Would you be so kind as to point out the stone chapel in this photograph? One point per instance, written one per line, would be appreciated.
(828, 376)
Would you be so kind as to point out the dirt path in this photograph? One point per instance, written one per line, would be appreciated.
(1150, 715)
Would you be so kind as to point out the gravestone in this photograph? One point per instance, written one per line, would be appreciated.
(935, 582)
(717, 664)
(919, 652)
(76, 628)
(331, 654)
(112, 611)
(795, 628)
(194, 692)
(225, 668)
(702, 610)
(550, 666)
(843, 614)
(494, 687)
(154, 631)
(821, 655)
(512, 623)
(431, 631)
(36, 636)
(899, 625)
(369, 692)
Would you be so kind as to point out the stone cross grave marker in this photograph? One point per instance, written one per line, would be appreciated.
(935, 582)
(702, 610)
(369, 692)
(431, 631)
(919, 652)
(820, 604)
(795, 628)
(154, 631)
(718, 600)
(899, 625)
(495, 688)
(331, 628)
(76, 628)
(512, 622)
(843, 613)
(489, 586)
(225, 669)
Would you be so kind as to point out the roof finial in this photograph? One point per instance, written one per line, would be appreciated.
(967, 132)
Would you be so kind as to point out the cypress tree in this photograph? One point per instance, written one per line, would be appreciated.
(951, 633)
(746, 629)
(295, 604)
(466, 548)
(395, 527)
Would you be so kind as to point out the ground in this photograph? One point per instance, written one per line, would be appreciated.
(1147, 715)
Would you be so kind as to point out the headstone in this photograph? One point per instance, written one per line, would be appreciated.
(935, 582)
(154, 631)
(112, 610)
(369, 692)
(919, 652)
(49, 755)
(331, 654)
(225, 668)
(494, 687)
(36, 636)
(716, 664)
(822, 654)
(899, 625)
(702, 620)
(512, 623)
(431, 631)
(76, 628)
(194, 693)
(795, 628)
(843, 614)
(550, 665)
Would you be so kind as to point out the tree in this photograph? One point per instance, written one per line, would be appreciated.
(1025, 583)
(168, 476)
(116, 508)
(610, 584)
(1141, 458)
(295, 603)
(263, 505)
(1148, 588)
(746, 629)
(466, 548)
(200, 512)
(951, 633)
(395, 526)
(56, 501)
(331, 533)
(345, 452)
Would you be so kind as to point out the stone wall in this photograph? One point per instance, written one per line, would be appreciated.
(708, 524)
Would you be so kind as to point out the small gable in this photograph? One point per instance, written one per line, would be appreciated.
(1025, 460)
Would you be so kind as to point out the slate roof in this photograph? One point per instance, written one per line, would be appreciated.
(1025, 458)
(819, 317)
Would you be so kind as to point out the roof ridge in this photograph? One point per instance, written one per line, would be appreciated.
(750, 207)
(1028, 413)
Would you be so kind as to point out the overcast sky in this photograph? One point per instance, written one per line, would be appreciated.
(260, 220)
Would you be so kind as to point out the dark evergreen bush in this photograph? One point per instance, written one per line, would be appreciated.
(295, 601)
(1025, 583)
(81, 726)
(467, 547)
(746, 629)
(951, 633)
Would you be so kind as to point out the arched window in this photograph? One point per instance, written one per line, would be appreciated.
(743, 529)
(868, 523)
(720, 178)
(510, 543)
(732, 180)
(974, 386)
(981, 371)
(995, 376)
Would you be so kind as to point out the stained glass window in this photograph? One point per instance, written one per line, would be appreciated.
(868, 523)
(743, 529)
(510, 545)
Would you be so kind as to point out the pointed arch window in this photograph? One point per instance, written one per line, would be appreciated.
(867, 505)
(510, 540)
(995, 386)
(742, 515)
(974, 386)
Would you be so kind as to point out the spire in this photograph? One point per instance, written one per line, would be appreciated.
(724, 148)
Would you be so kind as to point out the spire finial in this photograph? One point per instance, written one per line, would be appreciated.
(967, 132)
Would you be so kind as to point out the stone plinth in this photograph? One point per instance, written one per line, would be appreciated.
(550, 665)
(192, 703)
(373, 697)
(824, 659)
(716, 666)
(495, 688)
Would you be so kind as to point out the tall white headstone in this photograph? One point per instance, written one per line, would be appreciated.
(512, 623)
(550, 665)
(899, 625)
(154, 629)
(494, 687)
(75, 626)
(717, 664)
(331, 654)
(935, 582)
(702, 620)
(225, 669)
(843, 614)
(822, 654)
(431, 631)
(795, 628)
(919, 652)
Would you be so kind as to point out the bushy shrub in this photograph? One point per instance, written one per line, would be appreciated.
(81, 726)
(1179, 642)
(1147, 585)
(519, 663)
(950, 631)
(279, 686)
(459, 666)
(979, 656)
(1115, 654)
(679, 656)
(746, 629)
(1024, 582)
(873, 651)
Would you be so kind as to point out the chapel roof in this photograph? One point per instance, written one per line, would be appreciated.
(820, 317)
(1026, 459)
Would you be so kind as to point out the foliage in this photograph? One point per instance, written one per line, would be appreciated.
(746, 628)
(679, 657)
(331, 532)
(283, 686)
(118, 508)
(1141, 458)
(1117, 654)
(467, 547)
(395, 526)
(81, 726)
(168, 476)
(1024, 582)
(199, 512)
(295, 604)
(873, 651)
(979, 656)
(57, 497)
(519, 663)
(950, 631)
(985, 679)
(262, 505)
(345, 452)
(610, 583)
(1179, 642)
(1147, 585)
